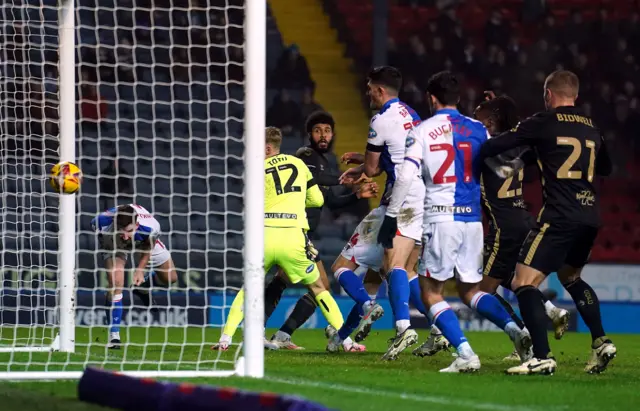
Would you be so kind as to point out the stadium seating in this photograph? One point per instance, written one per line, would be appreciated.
(619, 205)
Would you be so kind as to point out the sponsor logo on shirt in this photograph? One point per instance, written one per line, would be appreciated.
(451, 209)
(372, 133)
(310, 268)
(285, 216)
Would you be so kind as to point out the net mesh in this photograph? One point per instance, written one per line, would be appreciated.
(159, 124)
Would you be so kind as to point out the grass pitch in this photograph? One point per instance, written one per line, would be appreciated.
(358, 381)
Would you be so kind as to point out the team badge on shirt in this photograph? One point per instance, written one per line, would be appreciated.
(410, 141)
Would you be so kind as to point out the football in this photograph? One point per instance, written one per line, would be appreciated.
(65, 177)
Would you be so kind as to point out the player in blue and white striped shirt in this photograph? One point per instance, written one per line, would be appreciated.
(122, 230)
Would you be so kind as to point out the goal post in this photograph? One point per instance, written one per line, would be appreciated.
(201, 177)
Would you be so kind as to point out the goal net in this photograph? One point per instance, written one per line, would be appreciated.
(148, 99)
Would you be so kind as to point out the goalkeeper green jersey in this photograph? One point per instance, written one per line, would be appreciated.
(289, 189)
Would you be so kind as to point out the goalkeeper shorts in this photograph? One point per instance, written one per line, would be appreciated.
(289, 249)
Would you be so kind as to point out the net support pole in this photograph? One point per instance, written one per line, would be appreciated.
(255, 94)
(67, 211)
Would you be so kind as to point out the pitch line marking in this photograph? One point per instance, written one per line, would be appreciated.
(412, 397)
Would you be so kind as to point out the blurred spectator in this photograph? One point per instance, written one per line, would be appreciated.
(114, 185)
(291, 70)
(496, 32)
(625, 121)
(284, 114)
(532, 10)
(575, 31)
(308, 106)
(93, 109)
(124, 61)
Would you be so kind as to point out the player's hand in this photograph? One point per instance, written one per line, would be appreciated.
(367, 190)
(352, 158)
(489, 95)
(388, 231)
(138, 276)
(351, 176)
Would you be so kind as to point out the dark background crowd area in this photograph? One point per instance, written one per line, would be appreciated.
(160, 100)
(509, 46)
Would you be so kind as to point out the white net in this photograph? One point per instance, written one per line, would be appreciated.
(159, 124)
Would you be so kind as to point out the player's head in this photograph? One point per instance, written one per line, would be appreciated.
(498, 115)
(383, 84)
(320, 129)
(443, 90)
(561, 89)
(273, 140)
(126, 221)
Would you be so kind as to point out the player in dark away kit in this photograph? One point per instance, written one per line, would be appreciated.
(508, 219)
(320, 127)
(570, 152)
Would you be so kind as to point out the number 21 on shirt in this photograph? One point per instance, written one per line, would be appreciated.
(464, 147)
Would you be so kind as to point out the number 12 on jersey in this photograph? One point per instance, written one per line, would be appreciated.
(467, 173)
(288, 187)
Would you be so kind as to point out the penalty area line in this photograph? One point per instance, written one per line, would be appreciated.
(431, 399)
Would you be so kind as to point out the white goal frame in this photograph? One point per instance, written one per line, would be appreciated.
(252, 363)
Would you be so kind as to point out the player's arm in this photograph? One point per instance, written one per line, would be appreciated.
(322, 178)
(375, 145)
(525, 133)
(404, 178)
(145, 255)
(401, 187)
(314, 196)
(604, 165)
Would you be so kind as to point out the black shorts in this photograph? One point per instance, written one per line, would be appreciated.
(501, 250)
(551, 245)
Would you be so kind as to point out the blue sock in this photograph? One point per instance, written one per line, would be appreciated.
(445, 319)
(115, 313)
(353, 319)
(353, 286)
(399, 293)
(416, 296)
(491, 309)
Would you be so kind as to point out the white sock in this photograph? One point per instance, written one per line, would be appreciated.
(373, 297)
(114, 335)
(512, 330)
(526, 330)
(435, 330)
(402, 325)
(282, 336)
(347, 343)
(549, 308)
(367, 305)
(224, 338)
(465, 351)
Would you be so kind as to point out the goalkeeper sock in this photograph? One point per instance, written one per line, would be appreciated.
(272, 295)
(353, 285)
(330, 309)
(236, 314)
(304, 309)
(415, 296)
(116, 313)
(353, 319)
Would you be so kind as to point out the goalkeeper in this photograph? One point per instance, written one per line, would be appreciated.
(289, 189)
(121, 230)
(320, 127)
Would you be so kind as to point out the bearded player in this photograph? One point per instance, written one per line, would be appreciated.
(385, 153)
(320, 127)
